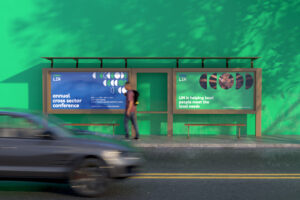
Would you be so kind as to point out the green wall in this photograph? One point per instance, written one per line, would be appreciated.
(30, 29)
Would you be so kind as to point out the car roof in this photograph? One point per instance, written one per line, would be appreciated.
(17, 111)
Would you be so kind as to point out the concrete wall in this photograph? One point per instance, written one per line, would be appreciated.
(30, 29)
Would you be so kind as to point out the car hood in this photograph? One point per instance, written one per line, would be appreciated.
(100, 141)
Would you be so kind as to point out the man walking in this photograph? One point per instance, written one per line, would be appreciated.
(130, 111)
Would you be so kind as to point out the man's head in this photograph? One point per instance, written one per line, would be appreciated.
(127, 86)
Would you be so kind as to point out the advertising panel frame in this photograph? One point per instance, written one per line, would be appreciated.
(47, 91)
(217, 111)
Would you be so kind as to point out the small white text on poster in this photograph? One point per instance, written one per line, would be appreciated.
(194, 102)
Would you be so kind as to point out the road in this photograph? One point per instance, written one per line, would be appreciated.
(191, 173)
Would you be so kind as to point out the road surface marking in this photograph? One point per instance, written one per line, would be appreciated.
(217, 176)
(211, 177)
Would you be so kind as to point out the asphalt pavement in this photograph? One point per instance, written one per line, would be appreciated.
(193, 172)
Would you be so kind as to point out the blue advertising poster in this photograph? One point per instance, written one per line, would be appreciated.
(88, 90)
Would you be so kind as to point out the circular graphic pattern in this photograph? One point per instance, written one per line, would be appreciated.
(94, 75)
(203, 81)
(249, 81)
(239, 81)
(213, 81)
(124, 90)
(226, 81)
(117, 75)
(112, 82)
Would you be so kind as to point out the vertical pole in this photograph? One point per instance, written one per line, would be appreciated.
(252, 63)
(76, 59)
(51, 63)
(202, 63)
(133, 80)
(188, 132)
(45, 89)
(125, 62)
(170, 102)
(239, 132)
(101, 63)
(177, 63)
(258, 79)
(227, 62)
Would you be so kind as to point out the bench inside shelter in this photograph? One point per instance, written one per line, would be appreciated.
(238, 125)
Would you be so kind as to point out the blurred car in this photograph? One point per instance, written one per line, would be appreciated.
(34, 147)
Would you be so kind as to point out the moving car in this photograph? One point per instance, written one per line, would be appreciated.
(34, 147)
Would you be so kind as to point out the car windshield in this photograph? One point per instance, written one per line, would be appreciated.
(53, 124)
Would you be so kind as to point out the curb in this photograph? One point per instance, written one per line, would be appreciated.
(195, 145)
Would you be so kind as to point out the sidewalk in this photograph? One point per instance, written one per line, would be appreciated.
(219, 141)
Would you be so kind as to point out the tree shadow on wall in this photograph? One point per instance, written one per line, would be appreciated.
(286, 115)
(126, 28)
(208, 28)
(32, 77)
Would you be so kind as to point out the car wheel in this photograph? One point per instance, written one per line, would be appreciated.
(90, 178)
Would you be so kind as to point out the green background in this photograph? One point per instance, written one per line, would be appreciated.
(231, 98)
(30, 29)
